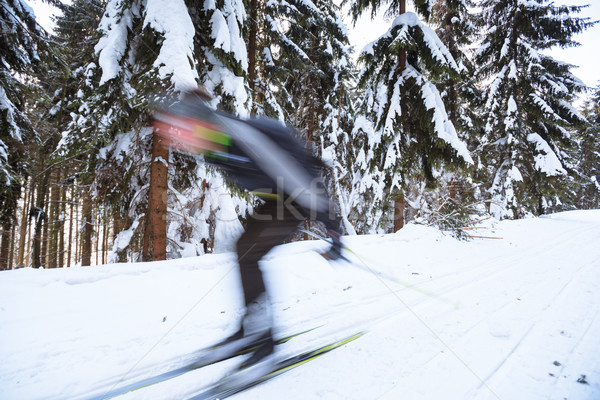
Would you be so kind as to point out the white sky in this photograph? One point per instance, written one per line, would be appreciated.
(586, 57)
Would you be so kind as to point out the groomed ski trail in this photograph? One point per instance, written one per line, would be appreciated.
(526, 325)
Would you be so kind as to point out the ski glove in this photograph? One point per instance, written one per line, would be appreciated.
(335, 251)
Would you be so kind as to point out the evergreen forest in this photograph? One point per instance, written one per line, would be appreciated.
(456, 114)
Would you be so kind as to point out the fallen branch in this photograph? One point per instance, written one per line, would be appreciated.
(465, 228)
(479, 220)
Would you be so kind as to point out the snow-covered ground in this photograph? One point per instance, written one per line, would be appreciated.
(510, 318)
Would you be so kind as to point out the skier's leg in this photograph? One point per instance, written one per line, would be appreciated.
(265, 230)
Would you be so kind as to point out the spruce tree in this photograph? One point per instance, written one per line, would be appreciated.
(588, 165)
(404, 132)
(222, 54)
(313, 70)
(454, 25)
(24, 55)
(55, 160)
(527, 112)
(164, 203)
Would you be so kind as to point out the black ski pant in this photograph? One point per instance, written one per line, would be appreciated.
(270, 225)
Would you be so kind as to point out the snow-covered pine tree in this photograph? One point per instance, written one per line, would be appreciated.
(289, 47)
(403, 132)
(588, 165)
(313, 58)
(527, 113)
(455, 27)
(25, 51)
(311, 70)
(222, 54)
(169, 46)
(167, 204)
(53, 162)
(456, 196)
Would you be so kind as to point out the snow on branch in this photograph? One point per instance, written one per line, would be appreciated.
(171, 19)
(111, 47)
(546, 160)
(437, 49)
(432, 100)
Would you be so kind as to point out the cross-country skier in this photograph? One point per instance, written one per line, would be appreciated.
(263, 156)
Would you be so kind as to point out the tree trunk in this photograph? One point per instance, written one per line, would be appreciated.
(24, 223)
(104, 236)
(61, 227)
(399, 205)
(71, 221)
(5, 245)
(28, 261)
(252, 45)
(87, 228)
(399, 201)
(44, 253)
(38, 213)
(53, 213)
(155, 232)
(13, 245)
(98, 222)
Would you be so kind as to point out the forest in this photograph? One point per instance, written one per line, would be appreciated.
(456, 113)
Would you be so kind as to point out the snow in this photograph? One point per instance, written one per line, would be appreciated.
(171, 19)
(112, 45)
(220, 31)
(124, 238)
(11, 111)
(432, 41)
(514, 317)
(546, 161)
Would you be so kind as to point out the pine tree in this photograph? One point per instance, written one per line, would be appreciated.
(588, 165)
(23, 56)
(528, 114)
(164, 203)
(456, 194)
(455, 28)
(143, 48)
(312, 69)
(221, 51)
(404, 132)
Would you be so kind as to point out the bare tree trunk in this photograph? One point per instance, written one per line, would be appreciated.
(24, 225)
(29, 260)
(155, 232)
(71, 221)
(53, 213)
(98, 219)
(105, 237)
(13, 245)
(38, 213)
(61, 229)
(78, 227)
(399, 213)
(87, 228)
(5, 230)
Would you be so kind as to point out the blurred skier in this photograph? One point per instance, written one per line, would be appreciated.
(262, 156)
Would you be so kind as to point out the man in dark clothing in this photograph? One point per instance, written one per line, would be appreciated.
(264, 157)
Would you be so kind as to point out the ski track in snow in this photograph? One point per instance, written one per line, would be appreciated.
(526, 326)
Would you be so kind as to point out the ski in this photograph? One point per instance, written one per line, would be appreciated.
(210, 355)
(237, 383)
